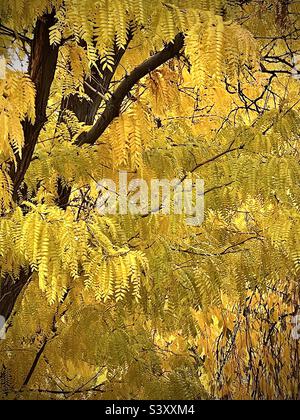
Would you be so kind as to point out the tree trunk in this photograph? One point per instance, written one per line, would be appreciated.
(42, 66)
(10, 291)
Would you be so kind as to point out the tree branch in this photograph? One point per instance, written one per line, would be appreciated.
(231, 249)
(4, 30)
(95, 88)
(113, 107)
(57, 316)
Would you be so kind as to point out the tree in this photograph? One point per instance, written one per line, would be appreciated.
(186, 89)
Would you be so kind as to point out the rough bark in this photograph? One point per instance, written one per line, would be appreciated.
(42, 66)
(10, 291)
(113, 106)
(95, 87)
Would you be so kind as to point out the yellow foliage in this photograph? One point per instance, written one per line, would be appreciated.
(146, 306)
